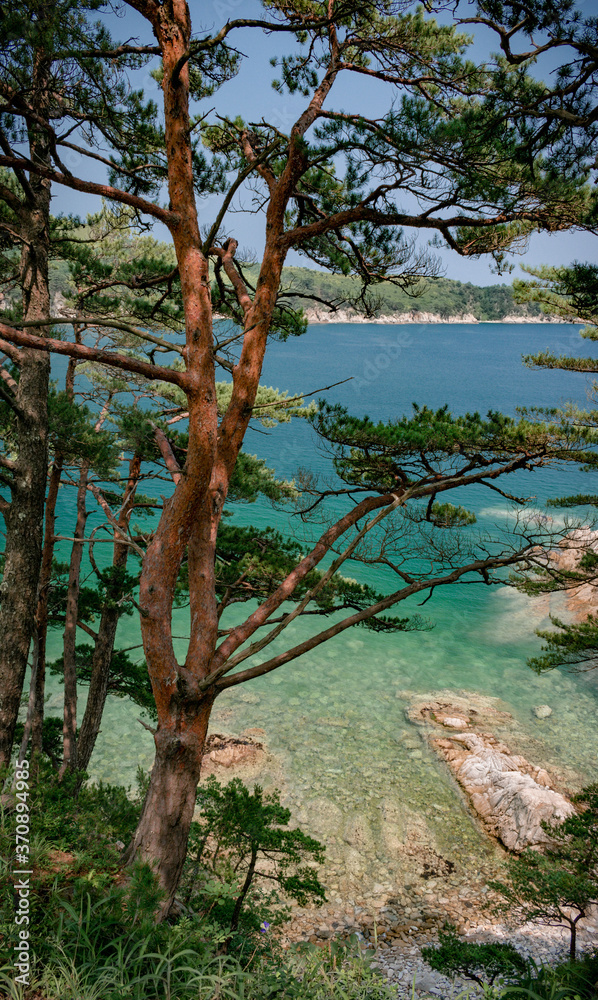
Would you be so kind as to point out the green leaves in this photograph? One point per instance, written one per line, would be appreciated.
(556, 886)
(574, 645)
(127, 678)
(252, 562)
(479, 962)
(72, 432)
(568, 292)
(380, 456)
(243, 836)
(446, 515)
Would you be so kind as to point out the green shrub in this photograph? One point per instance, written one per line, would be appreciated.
(558, 885)
(243, 861)
(478, 962)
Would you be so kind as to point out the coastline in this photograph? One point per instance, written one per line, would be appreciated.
(321, 317)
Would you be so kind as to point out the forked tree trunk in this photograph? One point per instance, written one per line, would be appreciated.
(190, 518)
(163, 829)
(573, 938)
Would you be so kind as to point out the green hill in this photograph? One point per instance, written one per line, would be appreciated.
(440, 296)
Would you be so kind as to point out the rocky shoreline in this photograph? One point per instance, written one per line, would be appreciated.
(429, 884)
(317, 317)
(406, 968)
(398, 947)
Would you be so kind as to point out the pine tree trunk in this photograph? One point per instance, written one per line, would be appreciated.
(31, 703)
(98, 687)
(190, 517)
(69, 729)
(24, 519)
(163, 829)
(38, 682)
(234, 922)
(104, 644)
(573, 941)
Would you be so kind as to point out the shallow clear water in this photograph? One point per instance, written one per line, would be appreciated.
(333, 719)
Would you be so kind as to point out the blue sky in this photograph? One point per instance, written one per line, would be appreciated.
(251, 95)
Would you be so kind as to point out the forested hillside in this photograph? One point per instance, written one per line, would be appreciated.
(439, 296)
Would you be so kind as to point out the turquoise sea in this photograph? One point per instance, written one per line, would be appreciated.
(342, 751)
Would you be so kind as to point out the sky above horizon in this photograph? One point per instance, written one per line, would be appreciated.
(251, 96)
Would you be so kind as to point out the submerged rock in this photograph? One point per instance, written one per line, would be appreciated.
(511, 796)
(225, 751)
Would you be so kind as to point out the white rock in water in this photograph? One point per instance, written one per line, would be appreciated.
(455, 723)
(542, 711)
(510, 802)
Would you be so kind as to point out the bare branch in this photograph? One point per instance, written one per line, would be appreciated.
(304, 395)
(168, 455)
(287, 587)
(226, 256)
(113, 521)
(101, 321)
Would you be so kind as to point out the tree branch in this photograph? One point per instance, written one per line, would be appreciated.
(168, 455)
(11, 352)
(111, 518)
(253, 165)
(226, 255)
(299, 608)
(365, 613)
(97, 321)
(286, 588)
(91, 187)
(152, 372)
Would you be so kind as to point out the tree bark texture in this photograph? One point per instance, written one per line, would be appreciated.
(24, 518)
(161, 837)
(191, 516)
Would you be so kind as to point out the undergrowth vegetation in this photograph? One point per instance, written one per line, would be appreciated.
(93, 934)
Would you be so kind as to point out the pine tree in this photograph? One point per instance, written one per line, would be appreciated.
(337, 186)
(49, 79)
(572, 293)
(558, 885)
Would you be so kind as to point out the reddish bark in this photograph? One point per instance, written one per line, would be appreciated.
(41, 344)
(162, 834)
(190, 518)
(183, 714)
(48, 175)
